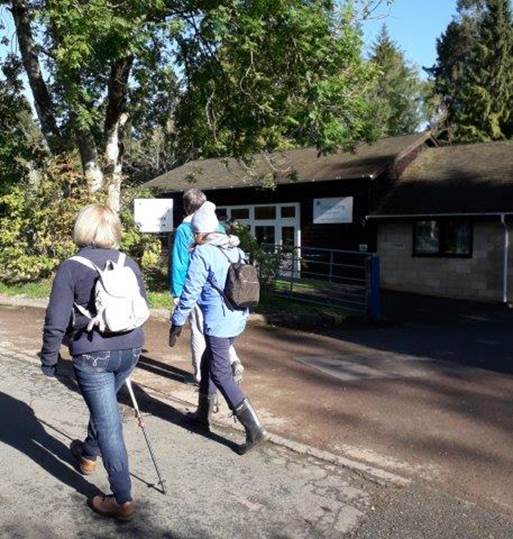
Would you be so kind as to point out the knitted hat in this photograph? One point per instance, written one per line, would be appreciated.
(204, 219)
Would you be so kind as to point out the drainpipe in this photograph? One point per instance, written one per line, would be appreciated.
(506, 260)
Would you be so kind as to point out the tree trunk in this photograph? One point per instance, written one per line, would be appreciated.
(113, 156)
(115, 120)
(89, 156)
(42, 99)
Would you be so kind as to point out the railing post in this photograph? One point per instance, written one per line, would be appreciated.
(373, 288)
(292, 269)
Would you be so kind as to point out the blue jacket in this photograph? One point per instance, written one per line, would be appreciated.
(209, 265)
(181, 255)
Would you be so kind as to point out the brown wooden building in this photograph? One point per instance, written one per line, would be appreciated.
(298, 197)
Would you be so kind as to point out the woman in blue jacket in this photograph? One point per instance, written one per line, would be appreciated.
(207, 271)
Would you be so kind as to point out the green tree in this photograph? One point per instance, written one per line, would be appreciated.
(213, 76)
(21, 147)
(399, 92)
(284, 73)
(473, 74)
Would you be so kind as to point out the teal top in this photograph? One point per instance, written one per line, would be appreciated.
(181, 255)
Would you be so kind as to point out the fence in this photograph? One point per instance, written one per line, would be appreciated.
(346, 279)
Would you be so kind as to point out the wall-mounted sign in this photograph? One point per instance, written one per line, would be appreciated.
(154, 214)
(332, 210)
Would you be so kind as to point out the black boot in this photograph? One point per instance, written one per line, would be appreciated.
(201, 417)
(255, 432)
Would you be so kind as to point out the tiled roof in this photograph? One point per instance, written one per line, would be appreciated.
(472, 178)
(301, 166)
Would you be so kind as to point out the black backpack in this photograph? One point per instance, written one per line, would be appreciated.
(242, 288)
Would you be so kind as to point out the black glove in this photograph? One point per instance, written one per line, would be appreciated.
(49, 371)
(174, 333)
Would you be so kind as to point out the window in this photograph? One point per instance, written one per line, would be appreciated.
(449, 237)
(222, 214)
(288, 235)
(240, 213)
(265, 212)
(288, 212)
(265, 234)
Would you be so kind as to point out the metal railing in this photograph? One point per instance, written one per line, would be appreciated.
(346, 279)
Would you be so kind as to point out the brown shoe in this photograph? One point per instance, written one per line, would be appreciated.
(86, 466)
(107, 506)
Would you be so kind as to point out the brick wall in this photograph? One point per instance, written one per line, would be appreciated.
(478, 278)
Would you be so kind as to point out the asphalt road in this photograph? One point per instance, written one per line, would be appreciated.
(213, 492)
(429, 399)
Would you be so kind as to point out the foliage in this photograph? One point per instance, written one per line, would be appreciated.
(268, 260)
(20, 141)
(399, 92)
(223, 78)
(36, 218)
(145, 248)
(36, 222)
(276, 74)
(474, 72)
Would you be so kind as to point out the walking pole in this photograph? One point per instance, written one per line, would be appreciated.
(128, 383)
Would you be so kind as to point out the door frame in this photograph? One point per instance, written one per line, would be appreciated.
(277, 223)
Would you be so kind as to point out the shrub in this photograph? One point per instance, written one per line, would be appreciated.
(268, 259)
(37, 216)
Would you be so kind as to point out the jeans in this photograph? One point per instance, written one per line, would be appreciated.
(100, 376)
(216, 371)
(198, 344)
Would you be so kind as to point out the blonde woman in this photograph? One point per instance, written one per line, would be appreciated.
(101, 361)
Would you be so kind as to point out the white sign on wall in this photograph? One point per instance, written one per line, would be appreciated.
(332, 210)
(154, 214)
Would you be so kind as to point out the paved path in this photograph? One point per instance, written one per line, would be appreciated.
(442, 423)
(213, 492)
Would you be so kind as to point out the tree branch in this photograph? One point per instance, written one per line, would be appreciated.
(42, 99)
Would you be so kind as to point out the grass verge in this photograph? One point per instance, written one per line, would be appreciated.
(274, 306)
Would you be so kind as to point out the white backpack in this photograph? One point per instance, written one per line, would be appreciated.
(118, 301)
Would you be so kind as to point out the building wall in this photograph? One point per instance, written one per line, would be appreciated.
(476, 278)
(346, 236)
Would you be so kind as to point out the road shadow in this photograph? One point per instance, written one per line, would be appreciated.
(21, 430)
(149, 405)
(159, 368)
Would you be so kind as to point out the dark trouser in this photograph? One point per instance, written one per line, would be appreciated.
(100, 376)
(216, 371)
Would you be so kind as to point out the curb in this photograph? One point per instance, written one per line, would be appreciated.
(378, 475)
(156, 314)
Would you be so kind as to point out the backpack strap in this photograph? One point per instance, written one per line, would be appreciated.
(216, 287)
(121, 259)
(82, 310)
(85, 262)
(223, 250)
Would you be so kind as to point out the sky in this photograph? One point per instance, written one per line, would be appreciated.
(413, 24)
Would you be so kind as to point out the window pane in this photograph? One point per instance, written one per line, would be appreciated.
(265, 234)
(287, 235)
(265, 212)
(288, 211)
(222, 214)
(427, 237)
(456, 238)
(240, 213)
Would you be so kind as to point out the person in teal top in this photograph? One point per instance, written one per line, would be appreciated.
(183, 246)
(210, 262)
